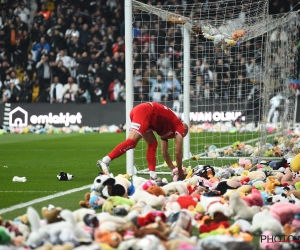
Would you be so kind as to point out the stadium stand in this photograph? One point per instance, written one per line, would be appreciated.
(81, 42)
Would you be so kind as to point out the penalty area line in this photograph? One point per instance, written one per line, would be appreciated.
(12, 191)
(38, 200)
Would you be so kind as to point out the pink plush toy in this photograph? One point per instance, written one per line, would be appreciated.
(290, 178)
(266, 242)
(284, 212)
(254, 199)
(148, 184)
(175, 173)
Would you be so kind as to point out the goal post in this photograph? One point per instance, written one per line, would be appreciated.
(212, 64)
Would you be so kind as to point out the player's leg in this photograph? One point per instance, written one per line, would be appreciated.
(119, 150)
(151, 141)
(140, 117)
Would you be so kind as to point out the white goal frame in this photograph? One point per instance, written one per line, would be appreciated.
(128, 8)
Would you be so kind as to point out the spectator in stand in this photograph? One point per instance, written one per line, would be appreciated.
(59, 70)
(13, 88)
(20, 25)
(71, 32)
(141, 92)
(107, 73)
(41, 48)
(56, 91)
(121, 74)
(57, 42)
(27, 85)
(173, 87)
(74, 47)
(67, 61)
(43, 72)
(96, 90)
(137, 76)
(84, 35)
(22, 12)
(83, 60)
(46, 13)
(70, 91)
(241, 87)
(158, 90)
(21, 47)
(114, 89)
(163, 63)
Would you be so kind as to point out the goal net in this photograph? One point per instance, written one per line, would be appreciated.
(241, 63)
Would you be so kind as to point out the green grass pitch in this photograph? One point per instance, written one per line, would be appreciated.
(41, 157)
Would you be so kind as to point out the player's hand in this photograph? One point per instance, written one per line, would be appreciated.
(181, 175)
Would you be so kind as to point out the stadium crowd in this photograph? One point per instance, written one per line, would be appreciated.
(63, 51)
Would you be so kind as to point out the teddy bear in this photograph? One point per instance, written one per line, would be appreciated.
(272, 182)
(265, 221)
(64, 230)
(254, 199)
(228, 151)
(152, 200)
(112, 239)
(97, 188)
(173, 19)
(114, 201)
(175, 187)
(289, 178)
(283, 211)
(240, 209)
(119, 186)
(62, 176)
(238, 33)
(156, 190)
(277, 152)
(218, 219)
(51, 214)
(225, 185)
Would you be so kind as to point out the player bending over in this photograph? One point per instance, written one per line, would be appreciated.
(146, 118)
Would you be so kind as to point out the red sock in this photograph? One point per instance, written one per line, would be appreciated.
(151, 155)
(122, 148)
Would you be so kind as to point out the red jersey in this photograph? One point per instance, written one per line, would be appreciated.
(158, 118)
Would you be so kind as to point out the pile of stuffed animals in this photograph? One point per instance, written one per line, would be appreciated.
(50, 129)
(213, 208)
(282, 146)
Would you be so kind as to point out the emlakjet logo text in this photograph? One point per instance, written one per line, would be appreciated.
(18, 117)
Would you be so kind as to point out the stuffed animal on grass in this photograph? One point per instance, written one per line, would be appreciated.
(240, 208)
(66, 230)
(254, 199)
(115, 201)
(264, 221)
(62, 176)
(112, 239)
(225, 185)
(284, 212)
(119, 186)
(51, 214)
(218, 220)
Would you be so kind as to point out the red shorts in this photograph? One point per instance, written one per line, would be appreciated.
(140, 117)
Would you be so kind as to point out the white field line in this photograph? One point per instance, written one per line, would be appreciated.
(145, 171)
(28, 191)
(49, 197)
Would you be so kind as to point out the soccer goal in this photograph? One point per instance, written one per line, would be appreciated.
(224, 67)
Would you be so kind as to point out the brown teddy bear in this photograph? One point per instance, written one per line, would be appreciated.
(51, 214)
(173, 19)
(86, 202)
